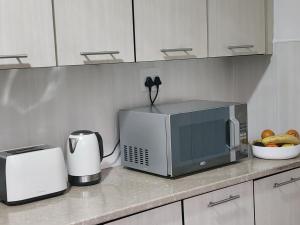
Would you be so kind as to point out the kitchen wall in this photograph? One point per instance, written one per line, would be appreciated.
(45, 105)
(271, 84)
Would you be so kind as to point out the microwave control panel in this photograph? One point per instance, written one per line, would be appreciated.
(241, 116)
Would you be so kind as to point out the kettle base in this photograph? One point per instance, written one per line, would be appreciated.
(85, 180)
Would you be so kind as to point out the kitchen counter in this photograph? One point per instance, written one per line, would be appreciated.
(123, 192)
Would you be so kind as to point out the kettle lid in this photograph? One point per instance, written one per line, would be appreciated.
(82, 132)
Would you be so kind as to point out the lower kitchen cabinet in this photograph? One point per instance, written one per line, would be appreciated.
(165, 215)
(228, 206)
(277, 199)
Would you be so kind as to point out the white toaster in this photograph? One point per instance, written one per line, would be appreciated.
(32, 173)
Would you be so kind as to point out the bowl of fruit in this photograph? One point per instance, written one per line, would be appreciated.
(272, 146)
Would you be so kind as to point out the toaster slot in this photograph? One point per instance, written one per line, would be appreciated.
(28, 149)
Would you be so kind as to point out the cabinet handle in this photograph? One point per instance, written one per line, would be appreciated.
(165, 50)
(232, 47)
(292, 180)
(20, 56)
(231, 198)
(100, 53)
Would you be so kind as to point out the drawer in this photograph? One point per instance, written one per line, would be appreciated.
(165, 215)
(228, 206)
(277, 199)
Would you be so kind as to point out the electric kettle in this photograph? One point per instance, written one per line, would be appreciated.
(84, 156)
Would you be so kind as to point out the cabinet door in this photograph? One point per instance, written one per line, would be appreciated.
(166, 215)
(170, 29)
(26, 34)
(236, 27)
(94, 31)
(229, 206)
(277, 199)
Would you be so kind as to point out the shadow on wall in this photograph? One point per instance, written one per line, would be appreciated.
(270, 85)
(249, 72)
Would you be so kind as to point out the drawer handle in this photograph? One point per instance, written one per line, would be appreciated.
(232, 47)
(100, 53)
(20, 56)
(292, 180)
(166, 50)
(231, 198)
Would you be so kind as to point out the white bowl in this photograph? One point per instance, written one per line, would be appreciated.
(276, 152)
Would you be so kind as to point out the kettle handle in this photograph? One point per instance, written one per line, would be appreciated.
(100, 143)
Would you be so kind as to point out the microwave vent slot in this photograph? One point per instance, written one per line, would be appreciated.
(141, 156)
(125, 153)
(136, 155)
(130, 154)
(146, 157)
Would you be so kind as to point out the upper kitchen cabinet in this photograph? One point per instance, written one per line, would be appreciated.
(236, 27)
(26, 34)
(170, 29)
(94, 31)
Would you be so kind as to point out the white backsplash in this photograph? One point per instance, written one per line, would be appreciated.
(45, 105)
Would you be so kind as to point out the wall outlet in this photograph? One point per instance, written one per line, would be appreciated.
(151, 72)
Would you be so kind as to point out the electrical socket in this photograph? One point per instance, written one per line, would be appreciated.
(150, 72)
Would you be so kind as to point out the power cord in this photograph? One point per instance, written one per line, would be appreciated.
(157, 83)
(150, 83)
(113, 151)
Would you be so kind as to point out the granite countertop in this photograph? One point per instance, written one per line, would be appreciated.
(123, 192)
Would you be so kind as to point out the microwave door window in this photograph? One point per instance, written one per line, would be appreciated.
(199, 139)
(202, 141)
(208, 140)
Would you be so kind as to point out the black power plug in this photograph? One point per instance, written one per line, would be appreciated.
(157, 81)
(149, 83)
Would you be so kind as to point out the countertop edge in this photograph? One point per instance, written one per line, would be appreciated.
(118, 214)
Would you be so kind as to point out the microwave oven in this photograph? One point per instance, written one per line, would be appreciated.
(176, 139)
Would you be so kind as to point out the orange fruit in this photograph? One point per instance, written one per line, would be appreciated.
(293, 133)
(272, 145)
(267, 133)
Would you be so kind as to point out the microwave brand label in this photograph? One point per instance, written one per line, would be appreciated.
(203, 163)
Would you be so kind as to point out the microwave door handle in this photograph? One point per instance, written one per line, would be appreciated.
(234, 127)
(230, 145)
(236, 124)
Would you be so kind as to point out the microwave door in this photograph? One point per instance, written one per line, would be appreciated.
(201, 140)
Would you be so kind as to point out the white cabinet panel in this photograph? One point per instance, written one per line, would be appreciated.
(95, 27)
(277, 199)
(26, 28)
(229, 206)
(236, 27)
(177, 26)
(166, 215)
